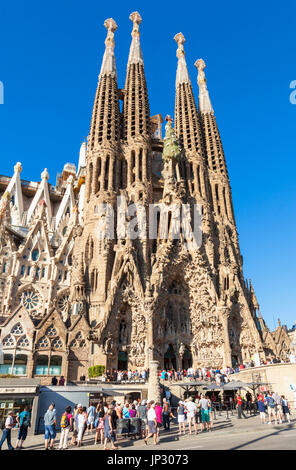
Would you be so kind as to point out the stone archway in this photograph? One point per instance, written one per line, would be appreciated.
(187, 359)
(170, 359)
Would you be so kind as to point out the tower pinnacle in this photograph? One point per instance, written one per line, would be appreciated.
(205, 105)
(135, 55)
(182, 72)
(108, 64)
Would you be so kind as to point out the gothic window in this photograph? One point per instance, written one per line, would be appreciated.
(17, 329)
(74, 344)
(51, 332)
(9, 341)
(63, 303)
(23, 342)
(106, 178)
(43, 343)
(57, 343)
(35, 255)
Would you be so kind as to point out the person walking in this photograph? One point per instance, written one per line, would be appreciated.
(142, 414)
(191, 409)
(166, 414)
(158, 411)
(285, 408)
(6, 434)
(80, 421)
(24, 421)
(239, 402)
(261, 409)
(271, 408)
(278, 407)
(91, 411)
(100, 425)
(181, 417)
(75, 432)
(114, 419)
(210, 413)
(205, 416)
(152, 424)
(108, 431)
(66, 427)
(50, 423)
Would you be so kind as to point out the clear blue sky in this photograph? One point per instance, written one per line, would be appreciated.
(50, 55)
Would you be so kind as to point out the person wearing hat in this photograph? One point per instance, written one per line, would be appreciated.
(80, 421)
(6, 435)
(142, 414)
(181, 417)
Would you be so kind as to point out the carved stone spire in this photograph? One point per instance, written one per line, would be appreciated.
(182, 72)
(136, 104)
(108, 64)
(105, 118)
(186, 116)
(205, 105)
(135, 54)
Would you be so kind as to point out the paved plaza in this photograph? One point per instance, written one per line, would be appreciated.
(227, 434)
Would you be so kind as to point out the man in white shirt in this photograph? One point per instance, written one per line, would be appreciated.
(9, 422)
(191, 409)
(152, 423)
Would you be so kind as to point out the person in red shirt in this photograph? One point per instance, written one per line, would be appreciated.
(239, 403)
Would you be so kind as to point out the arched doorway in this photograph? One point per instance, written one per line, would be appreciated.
(170, 359)
(122, 360)
(186, 359)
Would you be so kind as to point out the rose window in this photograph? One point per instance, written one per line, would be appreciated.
(51, 332)
(57, 343)
(63, 303)
(30, 300)
(17, 329)
(43, 343)
(8, 341)
(23, 342)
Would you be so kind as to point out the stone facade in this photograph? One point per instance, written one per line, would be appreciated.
(82, 298)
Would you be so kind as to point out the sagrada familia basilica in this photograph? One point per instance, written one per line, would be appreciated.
(71, 298)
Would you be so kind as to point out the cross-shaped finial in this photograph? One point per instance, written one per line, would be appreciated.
(168, 118)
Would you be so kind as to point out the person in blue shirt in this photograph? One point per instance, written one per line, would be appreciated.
(261, 409)
(125, 411)
(91, 411)
(24, 421)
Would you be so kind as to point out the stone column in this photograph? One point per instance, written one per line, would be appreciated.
(154, 392)
(225, 313)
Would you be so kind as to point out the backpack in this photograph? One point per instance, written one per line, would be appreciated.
(64, 421)
(271, 402)
(26, 420)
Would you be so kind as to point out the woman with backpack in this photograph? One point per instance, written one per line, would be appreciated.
(66, 427)
(24, 422)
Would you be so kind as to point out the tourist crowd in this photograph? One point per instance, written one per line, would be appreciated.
(105, 422)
